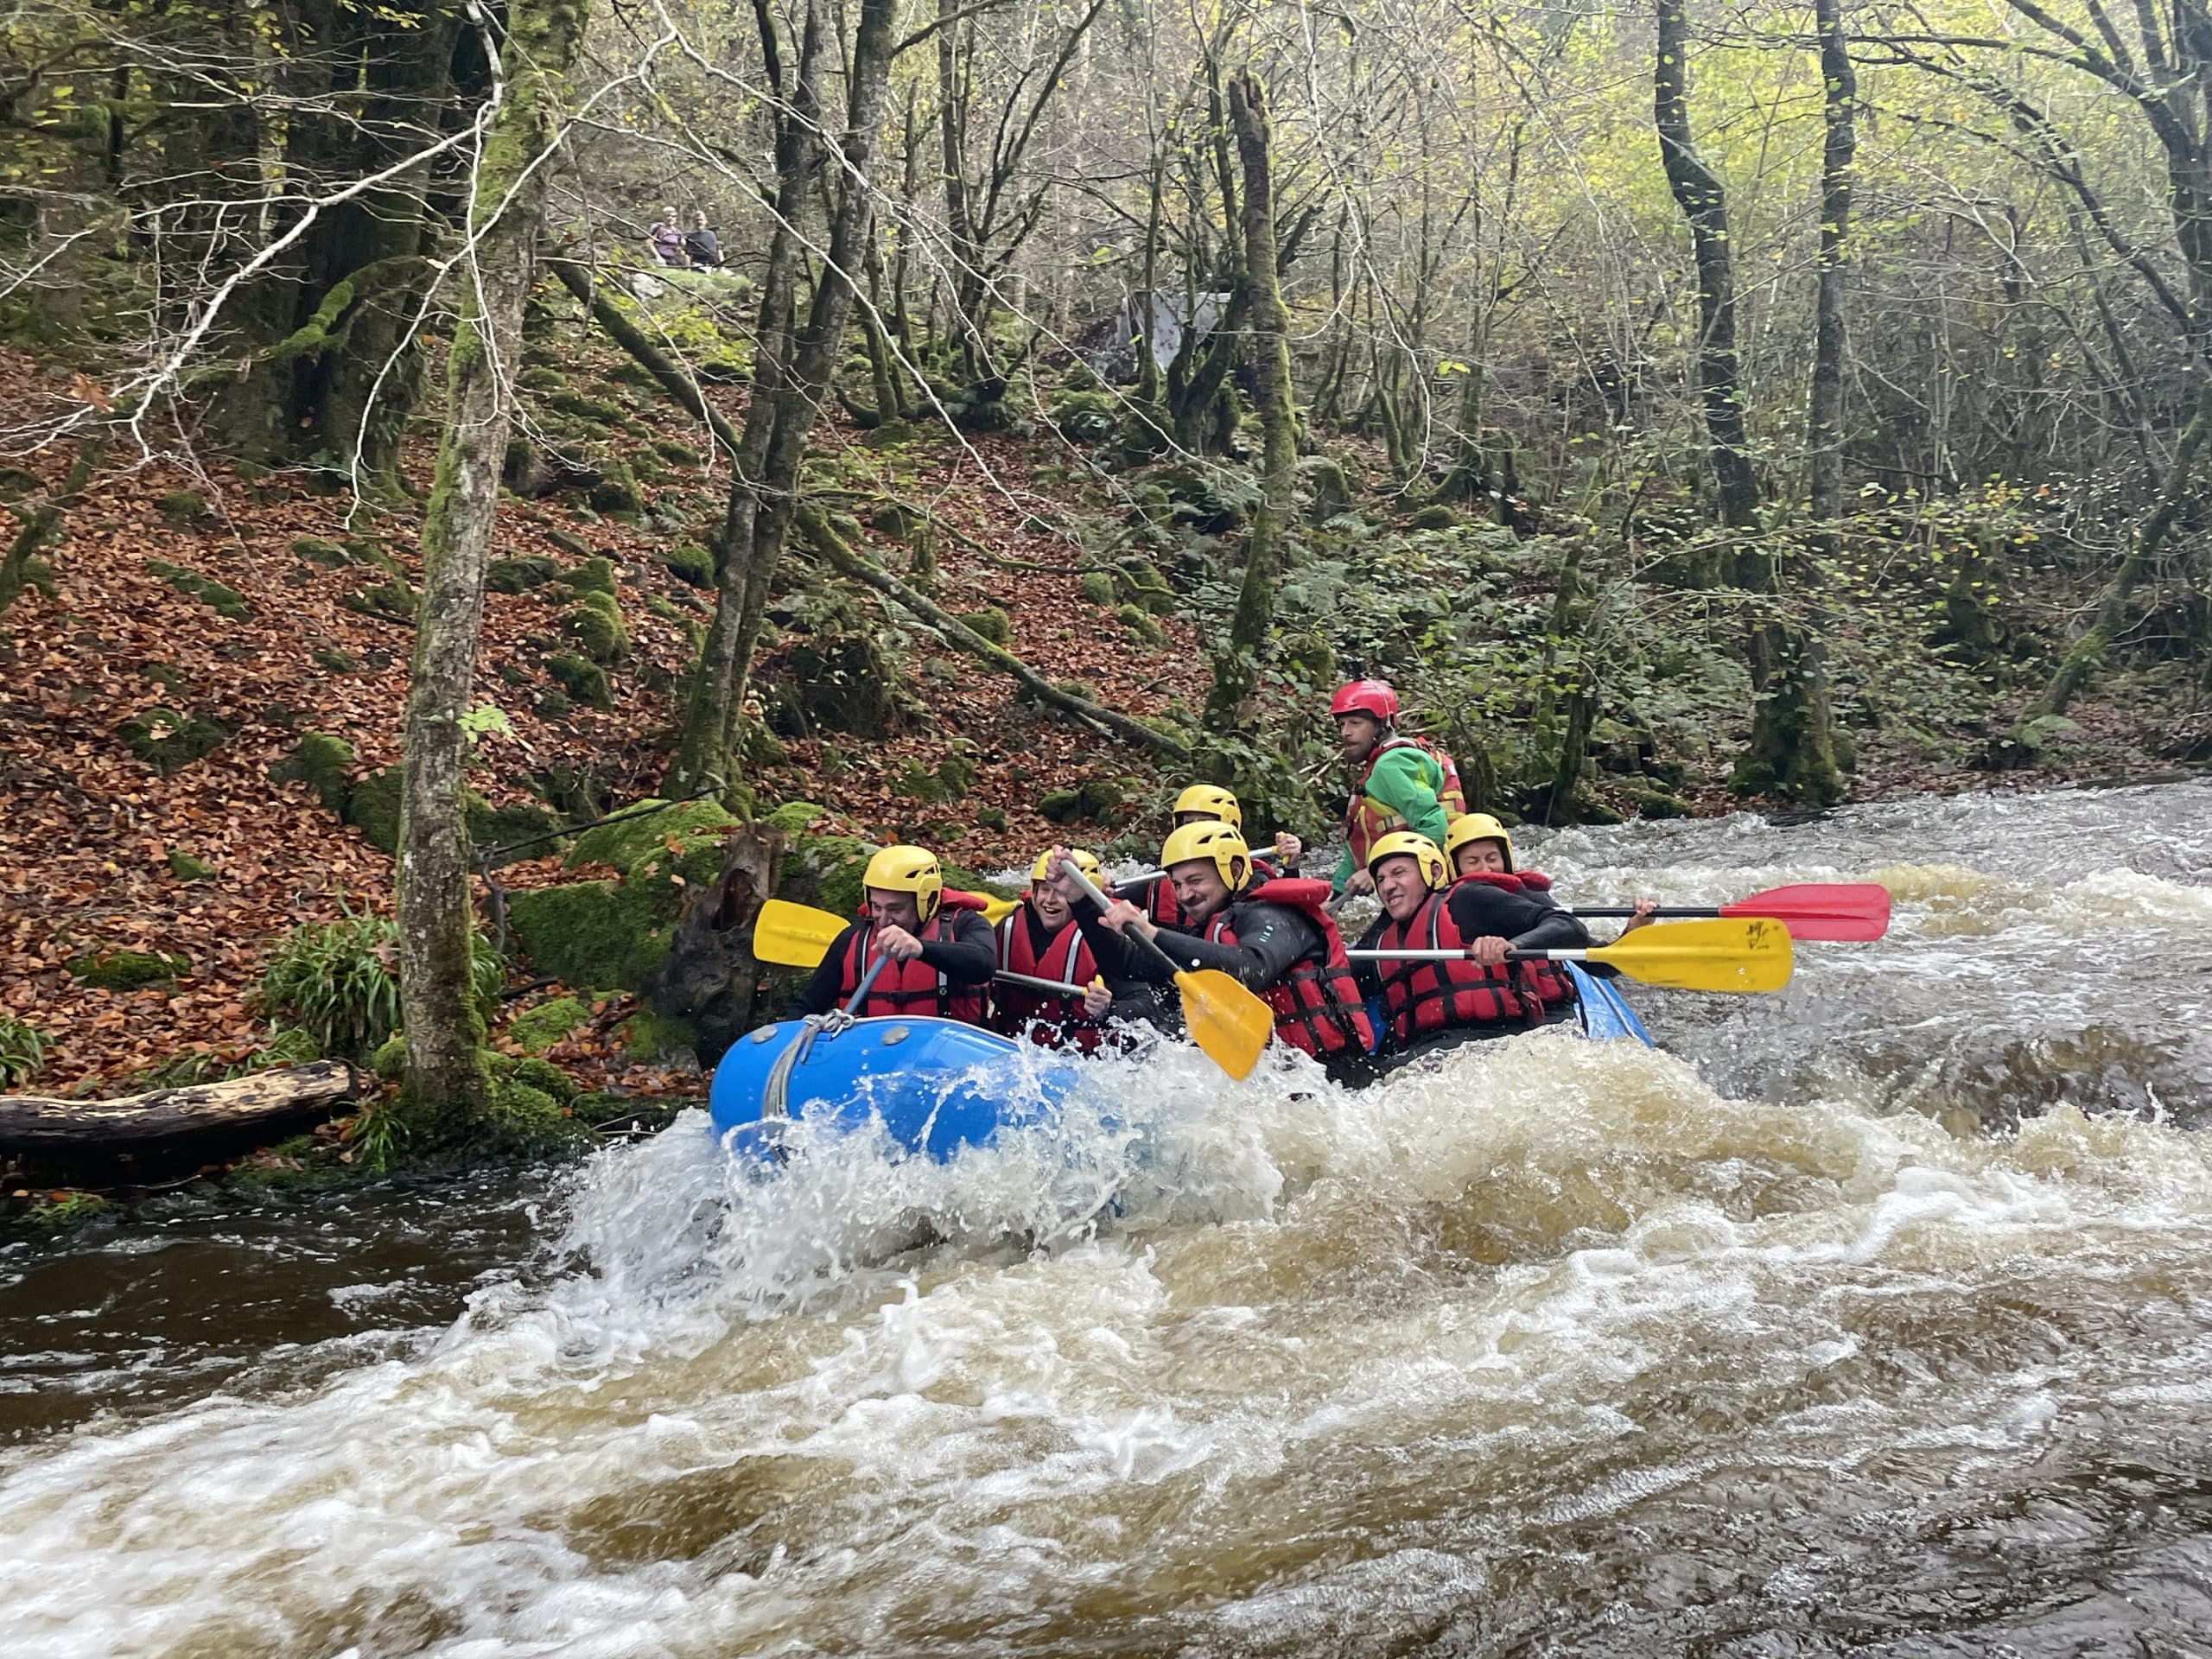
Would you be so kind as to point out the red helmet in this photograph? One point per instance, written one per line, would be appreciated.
(1366, 697)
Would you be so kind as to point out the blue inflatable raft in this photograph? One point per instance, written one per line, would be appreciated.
(939, 1086)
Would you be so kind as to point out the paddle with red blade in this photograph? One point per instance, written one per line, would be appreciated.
(1833, 912)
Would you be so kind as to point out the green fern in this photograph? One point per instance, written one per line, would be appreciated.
(23, 1051)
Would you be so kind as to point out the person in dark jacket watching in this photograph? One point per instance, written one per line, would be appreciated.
(939, 953)
(700, 246)
(1428, 1006)
(1275, 939)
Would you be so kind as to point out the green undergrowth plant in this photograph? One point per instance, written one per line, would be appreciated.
(284, 1045)
(338, 981)
(23, 1051)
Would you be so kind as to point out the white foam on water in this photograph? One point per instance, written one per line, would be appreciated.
(1192, 1332)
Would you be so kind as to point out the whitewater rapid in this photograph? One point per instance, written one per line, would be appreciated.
(1880, 1312)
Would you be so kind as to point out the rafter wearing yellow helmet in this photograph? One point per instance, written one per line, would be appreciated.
(1040, 948)
(1427, 907)
(1273, 936)
(936, 948)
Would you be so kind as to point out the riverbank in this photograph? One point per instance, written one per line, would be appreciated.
(203, 695)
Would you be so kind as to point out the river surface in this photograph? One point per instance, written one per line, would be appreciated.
(1874, 1316)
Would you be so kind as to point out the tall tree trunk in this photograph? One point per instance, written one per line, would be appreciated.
(1824, 410)
(1792, 750)
(779, 420)
(1237, 672)
(1698, 193)
(445, 1034)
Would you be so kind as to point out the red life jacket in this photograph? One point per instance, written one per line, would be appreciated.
(913, 989)
(1047, 1020)
(1421, 997)
(1367, 821)
(1317, 1004)
(1159, 904)
(1544, 981)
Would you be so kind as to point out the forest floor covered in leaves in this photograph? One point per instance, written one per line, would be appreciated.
(200, 619)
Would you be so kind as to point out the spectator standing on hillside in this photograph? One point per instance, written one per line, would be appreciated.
(666, 240)
(700, 246)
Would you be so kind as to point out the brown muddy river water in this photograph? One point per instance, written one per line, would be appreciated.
(1871, 1318)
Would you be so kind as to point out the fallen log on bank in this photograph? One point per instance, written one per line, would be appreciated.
(36, 1123)
(814, 526)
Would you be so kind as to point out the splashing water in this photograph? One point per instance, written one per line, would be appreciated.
(1874, 1316)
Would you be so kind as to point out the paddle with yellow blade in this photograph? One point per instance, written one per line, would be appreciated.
(1748, 953)
(1230, 1024)
(797, 935)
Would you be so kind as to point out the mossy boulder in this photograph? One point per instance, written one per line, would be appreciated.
(597, 411)
(321, 549)
(528, 1120)
(390, 1060)
(372, 807)
(535, 1030)
(616, 933)
(650, 1035)
(519, 576)
(1095, 800)
(322, 762)
(1140, 626)
(594, 576)
(692, 566)
(515, 830)
(991, 622)
(594, 622)
(169, 741)
(129, 971)
(545, 1076)
(568, 542)
(822, 868)
(585, 682)
(392, 600)
(183, 509)
(1085, 417)
(1098, 586)
(1435, 516)
(184, 867)
(1140, 583)
(224, 602)
(1327, 489)
(681, 454)
(616, 490)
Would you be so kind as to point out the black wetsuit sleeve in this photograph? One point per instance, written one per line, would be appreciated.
(970, 957)
(1141, 987)
(824, 988)
(1480, 911)
(1271, 940)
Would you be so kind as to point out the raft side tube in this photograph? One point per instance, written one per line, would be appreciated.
(937, 1084)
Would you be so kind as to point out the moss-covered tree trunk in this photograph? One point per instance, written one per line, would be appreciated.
(1698, 193)
(763, 499)
(1793, 751)
(1236, 672)
(333, 367)
(445, 1073)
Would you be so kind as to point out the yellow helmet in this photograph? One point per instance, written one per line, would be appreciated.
(1210, 840)
(1402, 842)
(908, 869)
(1212, 800)
(1475, 826)
(1084, 861)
